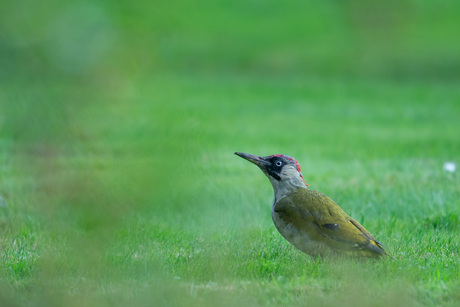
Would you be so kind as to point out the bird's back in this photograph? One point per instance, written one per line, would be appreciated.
(315, 224)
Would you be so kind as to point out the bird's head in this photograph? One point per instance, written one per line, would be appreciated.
(283, 171)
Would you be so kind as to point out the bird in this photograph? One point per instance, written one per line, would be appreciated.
(310, 220)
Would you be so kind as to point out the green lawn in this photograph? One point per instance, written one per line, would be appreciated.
(118, 181)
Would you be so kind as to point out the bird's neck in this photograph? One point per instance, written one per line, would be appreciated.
(285, 187)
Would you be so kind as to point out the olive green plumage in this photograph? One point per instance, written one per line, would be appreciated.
(310, 220)
(324, 221)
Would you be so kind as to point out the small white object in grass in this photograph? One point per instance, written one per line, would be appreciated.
(449, 166)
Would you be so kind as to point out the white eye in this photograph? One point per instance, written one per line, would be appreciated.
(279, 163)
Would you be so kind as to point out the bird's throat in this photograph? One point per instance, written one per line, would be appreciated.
(285, 187)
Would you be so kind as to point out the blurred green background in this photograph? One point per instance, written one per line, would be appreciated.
(118, 123)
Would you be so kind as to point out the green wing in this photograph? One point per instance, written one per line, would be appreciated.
(324, 221)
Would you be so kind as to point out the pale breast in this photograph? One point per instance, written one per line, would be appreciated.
(299, 239)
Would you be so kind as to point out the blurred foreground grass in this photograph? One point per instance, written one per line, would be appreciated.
(118, 124)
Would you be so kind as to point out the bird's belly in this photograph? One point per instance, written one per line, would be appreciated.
(299, 238)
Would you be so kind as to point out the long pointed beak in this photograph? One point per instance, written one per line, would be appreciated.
(259, 161)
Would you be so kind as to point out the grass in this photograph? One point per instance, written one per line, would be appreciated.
(153, 207)
(118, 182)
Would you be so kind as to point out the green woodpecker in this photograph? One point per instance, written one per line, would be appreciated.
(308, 219)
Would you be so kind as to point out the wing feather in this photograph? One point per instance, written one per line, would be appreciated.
(323, 220)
